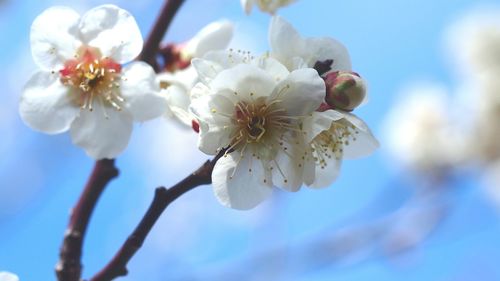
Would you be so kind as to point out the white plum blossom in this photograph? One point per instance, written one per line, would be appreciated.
(268, 6)
(7, 276)
(82, 86)
(177, 83)
(335, 135)
(255, 108)
(294, 51)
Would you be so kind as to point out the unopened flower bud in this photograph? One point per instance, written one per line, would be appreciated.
(345, 90)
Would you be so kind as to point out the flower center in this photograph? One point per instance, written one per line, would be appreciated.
(251, 120)
(330, 143)
(93, 77)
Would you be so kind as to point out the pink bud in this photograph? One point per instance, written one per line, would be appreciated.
(345, 90)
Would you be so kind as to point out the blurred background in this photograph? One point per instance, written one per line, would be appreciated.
(422, 207)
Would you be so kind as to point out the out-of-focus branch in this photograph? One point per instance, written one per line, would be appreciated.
(163, 197)
(160, 27)
(69, 266)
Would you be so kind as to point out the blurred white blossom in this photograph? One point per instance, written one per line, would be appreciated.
(268, 6)
(419, 130)
(82, 86)
(475, 41)
(177, 82)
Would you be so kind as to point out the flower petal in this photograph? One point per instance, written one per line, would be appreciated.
(321, 121)
(287, 45)
(212, 138)
(272, 66)
(215, 36)
(301, 92)
(285, 41)
(288, 165)
(240, 182)
(54, 37)
(364, 144)
(324, 48)
(178, 102)
(114, 31)
(102, 137)
(244, 82)
(324, 177)
(141, 92)
(46, 104)
(214, 62)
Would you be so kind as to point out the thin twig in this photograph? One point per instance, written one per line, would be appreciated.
(160, 27)
(163, 197)
(69, 267)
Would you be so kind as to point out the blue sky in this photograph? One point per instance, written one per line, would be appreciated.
(392, 44)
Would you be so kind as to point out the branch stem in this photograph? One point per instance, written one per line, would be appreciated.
(162, 198)
(160, 27)
(69, 267)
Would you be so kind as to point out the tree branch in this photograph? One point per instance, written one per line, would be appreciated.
(69, 267)
(160, 27)
(162, 198)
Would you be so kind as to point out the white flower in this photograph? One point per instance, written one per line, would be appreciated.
(82, 86)
(7, 276)
(256, 109)
(177, 84)
(296, 52)
(419, 130)
(333, 136)
(269, 6)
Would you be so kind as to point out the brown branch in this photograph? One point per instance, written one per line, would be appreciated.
(163, 197)
(69, 267)
(160, 27)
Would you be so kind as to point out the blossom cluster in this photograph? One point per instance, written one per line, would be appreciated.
(283, 118)
(436, 133)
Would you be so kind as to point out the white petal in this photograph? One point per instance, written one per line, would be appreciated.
(321, 121)
(54, 37)
(365, 142)
(141, 92)
(46, 104)
(178, 102)
(284, 39)
(187, 77)
(215, 36)
(287, 45)
(114, 31)
(272, 66)
(102, 137)
(301, 92)
(215, 128)
(321, 49)
(326, 176)
(216, 61)
(7, 276)
(288, 165)
(212, 138)
(240, 183)
(244, 82)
